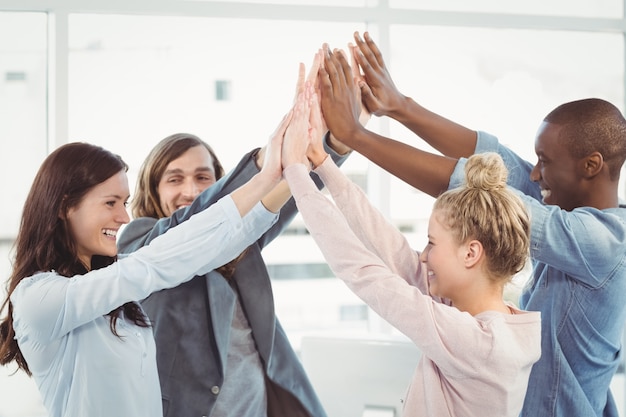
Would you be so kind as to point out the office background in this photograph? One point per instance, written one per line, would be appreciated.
(126, 73)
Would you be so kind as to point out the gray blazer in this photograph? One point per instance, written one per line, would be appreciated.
(191, 322)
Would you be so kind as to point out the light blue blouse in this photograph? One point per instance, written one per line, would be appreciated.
(80, 367)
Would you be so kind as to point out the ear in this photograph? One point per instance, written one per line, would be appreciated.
(474, 253)
(62, 210)
(593, 164)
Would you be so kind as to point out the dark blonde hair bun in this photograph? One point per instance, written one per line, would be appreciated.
(486, 171)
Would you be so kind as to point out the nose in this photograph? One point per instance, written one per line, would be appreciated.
(122, 216)
(424, 255)
(191, 189)
(535, 173)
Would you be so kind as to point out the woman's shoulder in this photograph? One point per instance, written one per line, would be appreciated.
(40, 277)
(38, 280)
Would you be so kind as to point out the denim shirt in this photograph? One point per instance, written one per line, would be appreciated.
(579, 286)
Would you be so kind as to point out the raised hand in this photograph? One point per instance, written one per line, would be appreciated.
(341, 106)
(311, 78)
(378, 91)
(365, 115)
(315, 152)
(272, 157)
(296, 139)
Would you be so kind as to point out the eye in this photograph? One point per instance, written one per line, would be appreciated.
(110, 203)
(174, 180)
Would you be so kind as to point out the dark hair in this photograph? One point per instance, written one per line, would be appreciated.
(44, 241)
(592, 125)
(146, 201)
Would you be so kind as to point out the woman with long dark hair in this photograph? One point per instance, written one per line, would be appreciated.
(72, 322)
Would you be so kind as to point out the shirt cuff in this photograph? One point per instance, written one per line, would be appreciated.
(300, 183)
(486, 142)
(330, 150)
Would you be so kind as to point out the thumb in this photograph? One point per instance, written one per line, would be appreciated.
(366, 91)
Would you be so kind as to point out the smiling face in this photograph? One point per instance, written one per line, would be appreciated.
(97, 218)
(444, 259)
(185, 178)
(557, 172)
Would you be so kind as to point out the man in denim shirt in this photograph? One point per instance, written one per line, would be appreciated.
(578, 229)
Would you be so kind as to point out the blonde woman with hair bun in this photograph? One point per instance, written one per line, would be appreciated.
(571, 190)
(477, 350)
(485, 210)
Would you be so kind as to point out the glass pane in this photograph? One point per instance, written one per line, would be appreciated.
(580, 8)
(23, 145)
(23, 112)
(500, 81)
(135, 80)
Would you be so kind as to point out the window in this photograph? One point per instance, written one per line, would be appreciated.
(139, 71)
(136, 79)
(582, 8)
(23, 110)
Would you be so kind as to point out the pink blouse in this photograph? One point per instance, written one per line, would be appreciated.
(470, 365)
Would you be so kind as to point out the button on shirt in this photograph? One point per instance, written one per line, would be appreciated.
(81, 368)
(244, 374)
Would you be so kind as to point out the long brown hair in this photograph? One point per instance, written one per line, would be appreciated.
(44, 241)
(146, 201)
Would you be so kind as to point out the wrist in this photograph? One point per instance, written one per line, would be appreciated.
(266, 180)
(259, 157)
(350, 137)
(402, 108)
(318, 159)
(336, 145)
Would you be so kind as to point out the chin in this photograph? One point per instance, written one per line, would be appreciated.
(111, 253)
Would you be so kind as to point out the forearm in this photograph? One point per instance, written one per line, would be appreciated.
(276, 199)
(446, 136)
(255, 190)
(362, 270)
(245, 169)
(423, 170)
(371, 227)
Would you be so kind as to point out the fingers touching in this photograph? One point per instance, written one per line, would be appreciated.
(297, 133)
(338, 93)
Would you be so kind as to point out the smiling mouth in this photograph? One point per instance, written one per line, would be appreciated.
(109, 232)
